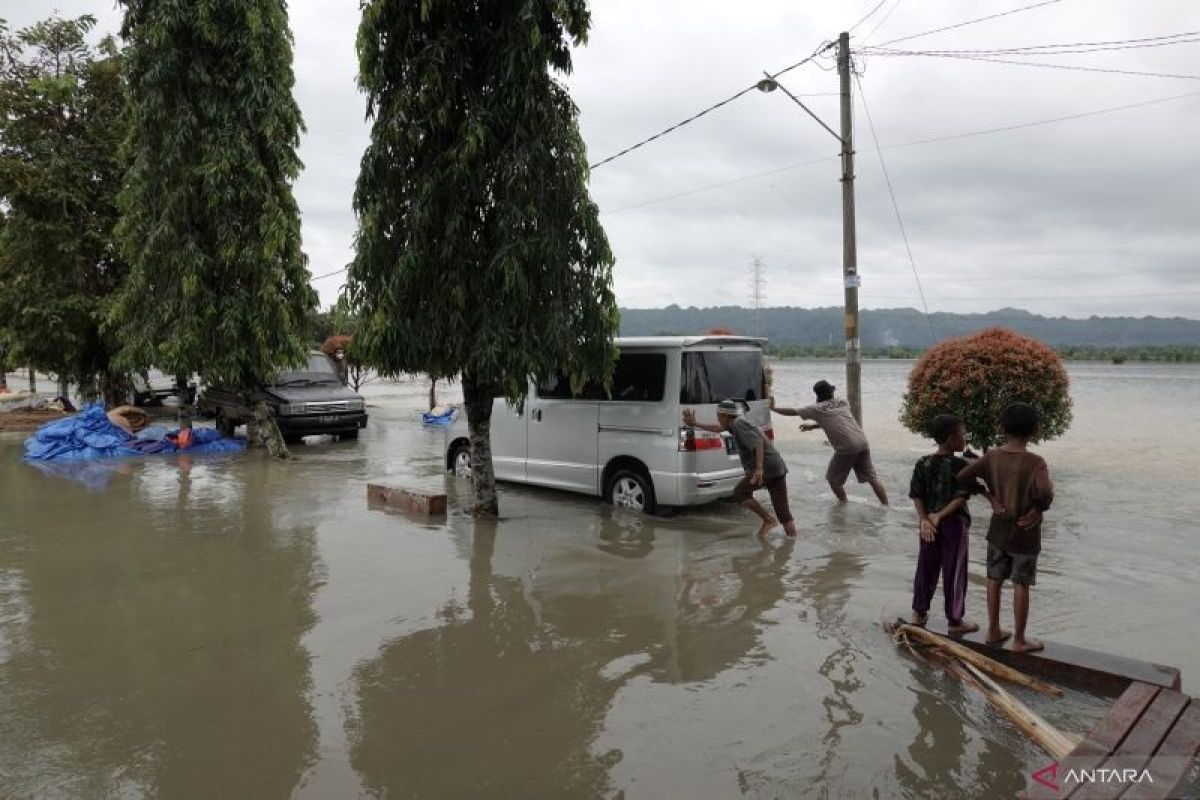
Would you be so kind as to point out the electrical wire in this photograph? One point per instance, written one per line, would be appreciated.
(914, 143)
(1072, 67)
(896, 207)
(1185, 37)
(329, 274)
(882, 20)
(822, 48)
(869, 14)
(969, 22)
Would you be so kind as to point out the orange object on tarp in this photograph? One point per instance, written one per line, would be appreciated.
(183, 439)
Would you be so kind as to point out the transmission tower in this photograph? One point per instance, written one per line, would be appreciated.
(758, 291)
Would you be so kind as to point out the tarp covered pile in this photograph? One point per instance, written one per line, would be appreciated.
(90, 435)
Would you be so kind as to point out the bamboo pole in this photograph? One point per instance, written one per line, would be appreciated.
(1047, 736)
(981, 661)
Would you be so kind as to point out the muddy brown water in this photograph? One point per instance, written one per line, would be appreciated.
(236, 627)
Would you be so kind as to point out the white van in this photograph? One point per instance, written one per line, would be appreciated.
(630, 447)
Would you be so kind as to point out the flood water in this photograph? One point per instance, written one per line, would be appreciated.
(235, 627)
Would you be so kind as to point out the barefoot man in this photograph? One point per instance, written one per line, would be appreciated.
(850, 448)
(763, 465)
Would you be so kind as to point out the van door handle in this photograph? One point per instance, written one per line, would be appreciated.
(536, 414)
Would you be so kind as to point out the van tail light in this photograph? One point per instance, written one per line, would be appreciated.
(692, 440)
(770, 433)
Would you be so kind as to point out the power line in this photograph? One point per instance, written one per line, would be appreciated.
(896, 207)
(824, 46)
(1186, 37)
(329, 274)
(1074, 67)
(869, 14)
(882, 20)
(914, 143)
(970, 22)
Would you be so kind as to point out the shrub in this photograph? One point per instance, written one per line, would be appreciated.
(977, 376)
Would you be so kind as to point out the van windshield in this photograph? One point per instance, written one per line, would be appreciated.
(713, 376)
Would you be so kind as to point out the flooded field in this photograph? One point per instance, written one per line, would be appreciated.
(236, 627)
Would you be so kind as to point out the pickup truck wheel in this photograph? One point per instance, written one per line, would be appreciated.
(631, 489)
(460, 460)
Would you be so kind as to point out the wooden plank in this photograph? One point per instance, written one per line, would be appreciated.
(981, 661)
(1174, 758)
(1139, 745)
(1087, 667)
(1104, 737)
(1046, 735)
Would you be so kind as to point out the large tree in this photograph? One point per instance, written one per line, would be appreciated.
(218, 284)
(61, 124)
(479, 251)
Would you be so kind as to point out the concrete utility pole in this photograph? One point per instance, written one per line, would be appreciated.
(849, 245)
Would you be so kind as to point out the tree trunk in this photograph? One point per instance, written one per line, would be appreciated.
(478, 400)
(265, 430)
(64, 387)
(432, 393)
(32, 381)
(185, 408)
(115, 388)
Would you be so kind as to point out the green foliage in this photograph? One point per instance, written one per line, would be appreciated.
(61, 123)
(479, 250)
(977, 376)
(906, 328)
(218, 284)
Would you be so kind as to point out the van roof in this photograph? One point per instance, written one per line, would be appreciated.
(686, 341)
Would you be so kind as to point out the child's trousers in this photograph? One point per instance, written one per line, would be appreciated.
(947, 554)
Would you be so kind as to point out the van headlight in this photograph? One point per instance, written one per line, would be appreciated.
(290, 409)
(356, 405)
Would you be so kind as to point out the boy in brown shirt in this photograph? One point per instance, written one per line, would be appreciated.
(1020, 483)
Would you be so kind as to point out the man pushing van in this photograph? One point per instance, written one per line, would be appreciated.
(850, 448)
(763, 465)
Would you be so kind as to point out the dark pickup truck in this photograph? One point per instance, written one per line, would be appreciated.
(305, 402)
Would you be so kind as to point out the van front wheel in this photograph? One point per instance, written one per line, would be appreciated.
(632, 489)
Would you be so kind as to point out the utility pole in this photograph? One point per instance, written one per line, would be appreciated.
(849, 245)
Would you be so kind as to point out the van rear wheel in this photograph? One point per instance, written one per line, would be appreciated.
(460, 461)
(631, 489)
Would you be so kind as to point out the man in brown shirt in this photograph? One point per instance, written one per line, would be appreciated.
(1019, 482)
(850, 448)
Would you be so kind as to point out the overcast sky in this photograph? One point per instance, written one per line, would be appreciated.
(1097, 215)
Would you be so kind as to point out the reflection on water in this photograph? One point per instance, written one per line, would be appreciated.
(154, 650)
(237, 627)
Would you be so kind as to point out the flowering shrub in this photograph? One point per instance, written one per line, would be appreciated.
(977, 376)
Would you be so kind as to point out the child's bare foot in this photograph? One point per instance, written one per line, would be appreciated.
(767, 525)
(1026, 645)
(961, 628)
(998, 636)
(919, 619)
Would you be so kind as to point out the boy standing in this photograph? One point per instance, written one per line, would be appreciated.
(762, 463)
(941, 504)
(850, 448)
(1020, 484)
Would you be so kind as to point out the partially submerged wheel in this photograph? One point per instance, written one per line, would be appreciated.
(631, 489)
(460, 461)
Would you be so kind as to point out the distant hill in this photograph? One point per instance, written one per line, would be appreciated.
(906, 327)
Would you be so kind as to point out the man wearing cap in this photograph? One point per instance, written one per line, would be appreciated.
(763, 465)
(850, 448)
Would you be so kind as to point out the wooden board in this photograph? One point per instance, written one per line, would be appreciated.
(1087, 667)
(1175, 757)
(1139, 744)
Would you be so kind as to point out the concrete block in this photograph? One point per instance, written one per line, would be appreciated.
(421, 502)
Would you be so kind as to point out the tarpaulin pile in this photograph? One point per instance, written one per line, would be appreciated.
(90, 435)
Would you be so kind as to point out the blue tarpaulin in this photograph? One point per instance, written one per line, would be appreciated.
(445, 418)
(89, 435)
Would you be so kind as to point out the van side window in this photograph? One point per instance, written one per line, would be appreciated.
(639, 377)
(555, 387)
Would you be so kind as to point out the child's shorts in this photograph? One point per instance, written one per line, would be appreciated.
(1003, 565)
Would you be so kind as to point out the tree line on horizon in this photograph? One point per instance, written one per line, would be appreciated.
(896, 331)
